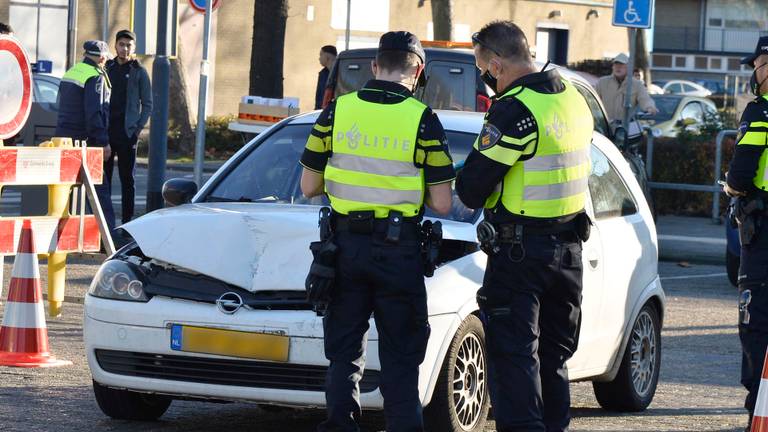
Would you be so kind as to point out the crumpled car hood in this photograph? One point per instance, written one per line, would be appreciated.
(253, 246)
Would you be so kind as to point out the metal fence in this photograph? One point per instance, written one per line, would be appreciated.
(714, 188)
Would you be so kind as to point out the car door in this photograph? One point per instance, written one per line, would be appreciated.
(592, 260)
(629, 251)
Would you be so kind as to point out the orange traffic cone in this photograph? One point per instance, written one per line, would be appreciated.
(760, 416)
(23, 334)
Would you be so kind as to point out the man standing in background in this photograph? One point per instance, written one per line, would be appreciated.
(130, 108)
(327, 58)
(612, 89)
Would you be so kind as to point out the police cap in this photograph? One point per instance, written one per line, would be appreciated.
(97, 48)
(401, 41)
(760, 49)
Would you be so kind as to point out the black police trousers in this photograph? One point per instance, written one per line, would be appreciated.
(385, 280)
(124, 147)
(531, 311)
(753, 312)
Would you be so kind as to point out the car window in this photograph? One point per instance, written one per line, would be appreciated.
(666, 106)
(689, 88)
(47, 91)
(601, 122)
(450, 86)
(674, 88)
(692, 110)
(271, 173)
(352, 75)
(610, 196)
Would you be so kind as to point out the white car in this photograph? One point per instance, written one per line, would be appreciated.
(209, 302)
(683, 87)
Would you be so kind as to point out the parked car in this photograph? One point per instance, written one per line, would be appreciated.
(682, 87)
(677, 112)
(721, 92)
(452, 79)
(41, 124)
(208, 301)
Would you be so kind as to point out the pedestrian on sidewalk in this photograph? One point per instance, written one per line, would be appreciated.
(612, 89)
(327, 58)
(130, 109)
(747, 179)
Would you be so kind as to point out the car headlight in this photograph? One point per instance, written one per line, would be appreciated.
(118, 280)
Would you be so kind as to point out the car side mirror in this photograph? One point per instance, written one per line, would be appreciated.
(178, 191)
(620, 137)
(689, 121)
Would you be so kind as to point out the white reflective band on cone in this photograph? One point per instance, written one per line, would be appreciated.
(24, 315)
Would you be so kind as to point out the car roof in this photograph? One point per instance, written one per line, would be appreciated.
(448, 54)
(458, 121)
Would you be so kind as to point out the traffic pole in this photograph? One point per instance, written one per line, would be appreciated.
(105, 33)
(158, 132)
(202, 97)
(629, 79)
(349, 17)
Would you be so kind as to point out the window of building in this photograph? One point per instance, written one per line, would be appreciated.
(700, 62)
(662, 60)
(610, 196)
(715, 22)
(734, 64)
(716, 63)
(680, 61)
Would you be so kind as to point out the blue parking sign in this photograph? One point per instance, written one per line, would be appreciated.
(633, 13)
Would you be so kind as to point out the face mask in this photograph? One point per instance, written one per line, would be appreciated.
(753, 84)
(489, 79)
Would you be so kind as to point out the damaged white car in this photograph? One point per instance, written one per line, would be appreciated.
(208, 303)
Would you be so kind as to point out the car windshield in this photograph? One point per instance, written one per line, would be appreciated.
(271, 173)
(666, 106)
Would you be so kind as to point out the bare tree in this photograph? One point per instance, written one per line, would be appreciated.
(642, 57)
(267, 46)
(442, 18)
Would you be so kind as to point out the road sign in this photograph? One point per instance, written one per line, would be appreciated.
(15, 87)
(199, 5)
(633, 13)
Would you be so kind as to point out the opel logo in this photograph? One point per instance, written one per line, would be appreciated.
(229, 303)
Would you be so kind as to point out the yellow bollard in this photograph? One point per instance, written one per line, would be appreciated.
(58, 205)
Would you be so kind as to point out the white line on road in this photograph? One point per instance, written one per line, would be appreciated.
(701, 276)
(708, 240)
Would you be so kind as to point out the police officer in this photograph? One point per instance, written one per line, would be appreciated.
(380, 155)
(529, 169)
(84, 95)
(747, 178)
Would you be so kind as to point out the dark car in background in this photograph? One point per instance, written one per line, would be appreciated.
(41, 124)
(452, 79)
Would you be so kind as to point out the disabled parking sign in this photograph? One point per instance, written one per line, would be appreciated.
(633, 13)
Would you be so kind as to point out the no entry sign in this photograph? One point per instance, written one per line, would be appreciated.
(15, 87)
(199, 5)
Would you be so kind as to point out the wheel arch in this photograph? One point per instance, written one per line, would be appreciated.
(653, 295)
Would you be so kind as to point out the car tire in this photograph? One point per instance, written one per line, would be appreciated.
(128, 405)
(629, 392)
(460, 402)
(732, 263)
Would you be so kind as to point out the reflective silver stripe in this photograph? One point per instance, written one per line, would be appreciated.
(373, 195)
(373, 166)
(74, 81)
(497, 188)
(557, 161)
(556, 191)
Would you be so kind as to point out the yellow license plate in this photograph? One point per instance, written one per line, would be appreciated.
(261, 346)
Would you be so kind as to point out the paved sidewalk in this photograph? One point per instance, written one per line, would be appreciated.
(691, 239)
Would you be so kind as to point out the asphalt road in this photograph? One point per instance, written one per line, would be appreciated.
(698, 391)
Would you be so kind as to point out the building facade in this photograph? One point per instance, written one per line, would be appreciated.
(705, 39)
(563, 31)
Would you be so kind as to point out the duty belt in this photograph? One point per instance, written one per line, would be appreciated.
(509, 232)
(395, 226)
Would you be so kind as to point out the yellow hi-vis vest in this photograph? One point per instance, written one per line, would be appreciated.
(551, 182)
(372, 157)
(757, 135)
(80, 73)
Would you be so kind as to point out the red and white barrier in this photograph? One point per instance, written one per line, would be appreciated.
(52, 234)
(48, 165)
(24, 334)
